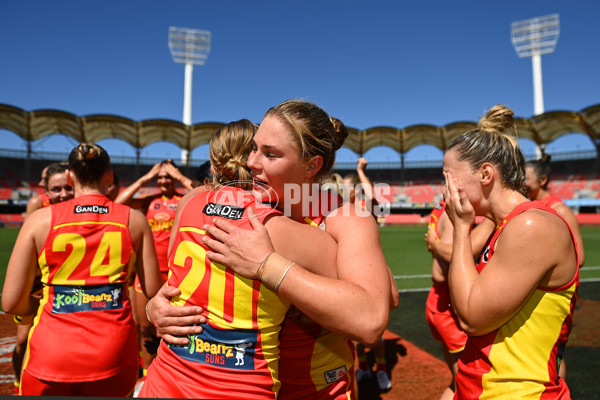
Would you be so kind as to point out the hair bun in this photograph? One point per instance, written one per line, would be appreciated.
(341, 133)
(498, 119)
(88, 151)
(545, 158)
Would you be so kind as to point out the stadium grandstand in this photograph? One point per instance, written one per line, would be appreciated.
(415, 187)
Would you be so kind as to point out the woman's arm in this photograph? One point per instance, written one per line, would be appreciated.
(442, 249)
(533, 250)
(126, 195)
(367, 190)
(363, 286)
(147, 266)
(20, 273)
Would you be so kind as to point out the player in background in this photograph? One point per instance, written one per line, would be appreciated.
(439, 314)
(56, 189)
(159, 209)
(82, 342)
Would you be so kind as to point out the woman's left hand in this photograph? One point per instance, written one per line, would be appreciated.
(242, 250)
(431, 238)
(458, 207)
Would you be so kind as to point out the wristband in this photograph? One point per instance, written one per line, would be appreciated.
(273, 270)
(283, 276)
(148, 315)
(262, 263)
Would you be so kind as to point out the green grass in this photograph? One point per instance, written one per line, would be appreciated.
(407, 255)
(8, 236)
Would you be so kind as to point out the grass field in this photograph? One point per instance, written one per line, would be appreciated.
(409, 260)
(407, 256)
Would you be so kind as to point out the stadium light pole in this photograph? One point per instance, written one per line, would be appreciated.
(532, 38)
(189, 47)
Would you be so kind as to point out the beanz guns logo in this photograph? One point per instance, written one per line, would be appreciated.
(222, 348)
(91, 209)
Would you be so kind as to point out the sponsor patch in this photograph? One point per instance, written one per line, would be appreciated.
(223, 210)
(69, 299)
(335, 375)
(91, 209)
(220, 347)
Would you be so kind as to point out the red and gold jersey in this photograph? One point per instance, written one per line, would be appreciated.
(550, 200)
(161, 215)
(84, 329)
(45, 200)
(435, 216)
(236, 355)
(521, 358)
(315, 362)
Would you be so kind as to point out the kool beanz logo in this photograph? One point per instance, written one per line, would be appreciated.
(91, 209)
(69, 299)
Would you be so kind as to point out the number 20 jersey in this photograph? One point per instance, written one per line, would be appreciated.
(84, 329)
(236, 355)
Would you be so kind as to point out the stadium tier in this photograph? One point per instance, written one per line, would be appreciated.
(411, 195)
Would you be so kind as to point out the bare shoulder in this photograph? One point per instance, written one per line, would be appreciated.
(537, 226)
(37, 224)
(564, 211)
(137, 220)
(351, 220)
(281, 226)
(34, 203)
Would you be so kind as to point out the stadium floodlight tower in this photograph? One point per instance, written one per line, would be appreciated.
(189, 47)
(532, 38)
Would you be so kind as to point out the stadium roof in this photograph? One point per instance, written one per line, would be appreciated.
(34, 125)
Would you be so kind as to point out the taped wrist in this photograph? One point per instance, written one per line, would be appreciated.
(272, 271)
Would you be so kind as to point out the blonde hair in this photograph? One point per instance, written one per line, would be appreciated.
(229, 150)
(89, 162)
(316, 133)
(333, 182)
(489, 143)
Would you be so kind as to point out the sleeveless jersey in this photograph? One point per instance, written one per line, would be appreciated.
(435, 216)
(84, 330)
(439, 314)
(160, 215)
(315, 362)
(45, 200)
(550, 200)
(520, 359)
(236, 355)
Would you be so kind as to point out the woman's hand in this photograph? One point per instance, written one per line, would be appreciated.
(458, 207)
(176, 174)
(172, 322)
(148, 176)
(431, 239)
(242, 250)
(361, 164)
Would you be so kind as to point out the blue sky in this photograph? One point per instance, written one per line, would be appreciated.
(394, 63)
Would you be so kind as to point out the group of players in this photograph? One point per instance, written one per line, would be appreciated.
(255, 279)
